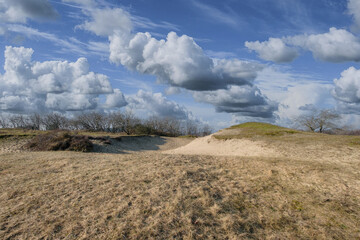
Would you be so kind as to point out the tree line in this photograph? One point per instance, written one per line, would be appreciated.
(115, 122)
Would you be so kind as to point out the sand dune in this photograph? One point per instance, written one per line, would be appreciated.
(209, 145)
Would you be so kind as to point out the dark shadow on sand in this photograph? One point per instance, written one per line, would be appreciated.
(128, 144)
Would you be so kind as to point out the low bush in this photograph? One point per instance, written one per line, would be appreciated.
(60, 141)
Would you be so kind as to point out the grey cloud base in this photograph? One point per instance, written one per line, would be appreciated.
(245, 101)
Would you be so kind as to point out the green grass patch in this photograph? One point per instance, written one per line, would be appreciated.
(252, 129)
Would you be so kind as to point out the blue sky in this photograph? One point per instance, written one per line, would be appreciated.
(218, 62)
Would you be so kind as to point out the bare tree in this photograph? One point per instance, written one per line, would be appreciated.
(205, 130)
(129, 122)
(191, 128)
(19, 121)
(35, 121)
(116, 122)
(92, 122)
(318, 120)
(55, 121)
(3, 122)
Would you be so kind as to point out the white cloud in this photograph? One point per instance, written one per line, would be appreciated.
(179, 61)
(337, 45)
(273, 50)
(294, 92)
(245, 100)
(158, 105)
(115, 100)
(69, 101)
(18, 11)
(106, 21)
(354, 10)
(51, 85)
(347, 87)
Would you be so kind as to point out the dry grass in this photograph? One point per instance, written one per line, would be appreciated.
(60, 141)
(150, 195)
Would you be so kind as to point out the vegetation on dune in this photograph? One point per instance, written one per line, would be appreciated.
(254, 129)
(263, 129)
(277, 136)
(60, 141)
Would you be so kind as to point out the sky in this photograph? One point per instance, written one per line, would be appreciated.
(215, 62)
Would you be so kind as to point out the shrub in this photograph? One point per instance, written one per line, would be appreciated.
(60, 141)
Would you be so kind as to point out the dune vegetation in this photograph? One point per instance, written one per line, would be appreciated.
(268, 182)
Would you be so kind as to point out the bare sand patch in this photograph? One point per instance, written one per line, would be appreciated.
(209, 145)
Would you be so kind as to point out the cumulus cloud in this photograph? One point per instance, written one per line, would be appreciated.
(354, 10)
(51, 85)
(347, 87)
(179, 61)
(273, 50)
(245, 100)
(69, 101)
(158, 105)
(337, 45)
(20, 10)
(295, 92)
(115, 100)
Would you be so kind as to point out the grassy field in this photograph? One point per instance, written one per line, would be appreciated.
(311, 190)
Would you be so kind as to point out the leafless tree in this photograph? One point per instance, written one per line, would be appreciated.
(129, 122)
(35, 121)
(55, 121)
(116, 122)
(205, 130)
(318, 120)
(19, 121)
(92, 121)
(3, 122)
(191, 128)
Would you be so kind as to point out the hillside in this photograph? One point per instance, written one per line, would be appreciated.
(250, 181)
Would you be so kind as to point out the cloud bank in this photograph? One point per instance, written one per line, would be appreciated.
(336, 46)
(180, 63)
(29, 86)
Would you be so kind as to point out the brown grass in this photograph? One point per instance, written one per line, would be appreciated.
(150, 195)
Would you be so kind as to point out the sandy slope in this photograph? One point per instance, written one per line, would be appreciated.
(209, 145)
(125, 144)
